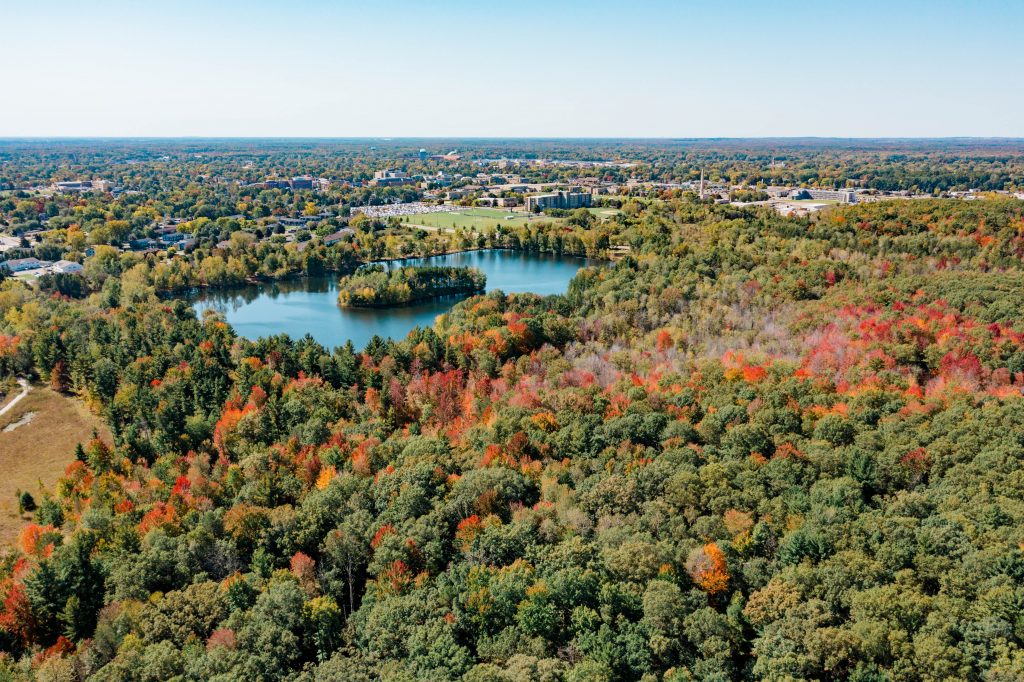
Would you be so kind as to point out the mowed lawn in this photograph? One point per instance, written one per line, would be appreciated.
(38, 451)
(474, 219)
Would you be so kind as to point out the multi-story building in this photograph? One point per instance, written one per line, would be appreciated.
(82, 186)
(384, 178)
(845, 196)
(560, 200)
(23, 264)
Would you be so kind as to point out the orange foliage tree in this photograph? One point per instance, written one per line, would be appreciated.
(708, 569)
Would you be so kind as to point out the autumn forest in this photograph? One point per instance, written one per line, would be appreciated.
(742, 446)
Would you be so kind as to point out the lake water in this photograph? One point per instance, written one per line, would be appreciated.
(310, 305)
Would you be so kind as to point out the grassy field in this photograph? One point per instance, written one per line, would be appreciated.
(476, 218)
(38, 450)
(472, 219)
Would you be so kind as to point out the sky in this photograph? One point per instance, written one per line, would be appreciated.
(554, 68)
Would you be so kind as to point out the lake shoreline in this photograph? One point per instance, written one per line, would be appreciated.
(189, 292)
(309, 305)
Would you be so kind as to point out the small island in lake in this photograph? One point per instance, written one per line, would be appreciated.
(374, 286)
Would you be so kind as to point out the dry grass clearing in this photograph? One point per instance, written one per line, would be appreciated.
(38, 449)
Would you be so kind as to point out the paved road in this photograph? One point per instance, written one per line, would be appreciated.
(25, 388)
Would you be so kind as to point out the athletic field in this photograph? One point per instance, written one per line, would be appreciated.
(474, 219)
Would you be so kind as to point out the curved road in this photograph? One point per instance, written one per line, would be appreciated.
(25, 388)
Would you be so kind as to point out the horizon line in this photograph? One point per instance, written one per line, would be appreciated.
(5, 138)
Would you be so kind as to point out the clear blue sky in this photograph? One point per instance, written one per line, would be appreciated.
(532, 68)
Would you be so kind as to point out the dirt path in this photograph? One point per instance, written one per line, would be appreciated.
(25, 388)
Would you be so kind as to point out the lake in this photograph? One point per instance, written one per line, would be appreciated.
(310, 305)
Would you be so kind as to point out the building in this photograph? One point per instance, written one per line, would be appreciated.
(843, 196)
(81, 186)
(67, 267)
(333, 239)
(423, 155)
(165, 229)
(23, 264)
(790, 208)
(385, 178)
(175, 237)
(560, 200)
(453, 155)
(143, 244)
(302, 182)
(500, 202)
(442, 179)
(76, 186)
(295, 223)
(275, 184)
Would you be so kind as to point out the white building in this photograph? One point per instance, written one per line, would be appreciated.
(68, 267)
(843, 196)
(25, 264)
